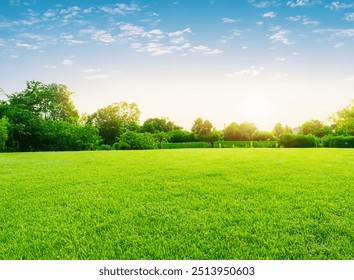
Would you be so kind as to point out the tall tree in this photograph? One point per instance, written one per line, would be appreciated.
(202, 128)
(51, 102)
(248, 130)
(316, 128)
(279, 130)
(113, 120)
(344, 120)
(232, 132)
(155, 125)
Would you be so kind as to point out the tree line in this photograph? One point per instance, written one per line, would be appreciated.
(43, 117)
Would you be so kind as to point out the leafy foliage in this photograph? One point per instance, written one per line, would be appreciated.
(340, 141)
(114, 120)
(297, 141)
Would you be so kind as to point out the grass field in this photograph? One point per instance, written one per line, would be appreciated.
(178, 204)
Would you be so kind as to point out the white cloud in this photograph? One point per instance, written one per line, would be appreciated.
(280, 59)
(334, 33)
(264, 4)
(98, 77)
(301, 3)
(303, 20)
(338, 45)
(49, 13)
(91, 70)
(103, 36)
(120, 8)
(270, 15)
(337, 6)
(49, 67)
(132, 30)
(27, 46)
(67, 62)
(179, 33)
(33, 36)
(205, 50)
(349, 16)
(259, 23)
(229, 20)
(280, 36)
(88, 10)
(252, 71)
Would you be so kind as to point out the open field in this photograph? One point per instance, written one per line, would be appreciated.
(178, 204)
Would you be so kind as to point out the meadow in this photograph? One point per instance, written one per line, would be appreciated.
(178, 204)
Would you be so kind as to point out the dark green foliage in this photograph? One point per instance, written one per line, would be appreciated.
(114, 120)
(186, 145)
(181, 136)
(279, 130)
(155, 125)
(264, 136)
(4, 127)
(131, 140)
(316, 128)
(297, 141)
(232, 132)
(338, 141)
(202, 128)
(344, 120)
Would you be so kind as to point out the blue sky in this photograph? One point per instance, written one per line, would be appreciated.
(247, 60)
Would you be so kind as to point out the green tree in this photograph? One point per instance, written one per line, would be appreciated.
(232, 132)
(202, 128)
(114, 120)
(51, 101)
(4, 124)
(248, 131)
(344, 120)
(154, 125)
(316, 128)
(279, 130)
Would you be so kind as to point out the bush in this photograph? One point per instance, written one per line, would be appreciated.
(131, 140)
(338, 141)
(186, 145)
(297, 141)
(181, 136)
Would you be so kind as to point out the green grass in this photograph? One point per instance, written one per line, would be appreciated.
(178, 204)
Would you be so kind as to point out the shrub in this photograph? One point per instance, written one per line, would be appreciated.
(131, 140)
(297, 141)
(338, 141)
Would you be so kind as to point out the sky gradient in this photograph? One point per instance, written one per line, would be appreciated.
(247, 60)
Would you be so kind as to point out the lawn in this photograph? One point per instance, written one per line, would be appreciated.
(178, 204)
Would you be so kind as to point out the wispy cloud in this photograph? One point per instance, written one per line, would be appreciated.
(98, 77)
(205, 50)
(337, 6)
(302, 3)
(229, 20)
(280, 59)
(278, 76)
(270, 15)
(264, 4)
(334, 33)
(303, 20)
(67, 62)
(253, 71)
(120, 8)
(338, 45)
(103, 36)
(27, 46)
(281, 36)
(349, 16)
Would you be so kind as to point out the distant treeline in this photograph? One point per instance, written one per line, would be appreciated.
(43, 117)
